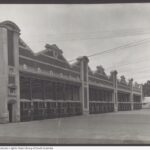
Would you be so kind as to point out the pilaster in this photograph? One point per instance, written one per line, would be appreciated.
(9, 72)
(141, 94)
(4, 117)
(115, 92)
(131, 94)
(84, 90)
(17, 78)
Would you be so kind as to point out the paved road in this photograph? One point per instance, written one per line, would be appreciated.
(129, 127)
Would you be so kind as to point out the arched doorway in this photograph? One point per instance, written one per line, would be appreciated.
(10, 106)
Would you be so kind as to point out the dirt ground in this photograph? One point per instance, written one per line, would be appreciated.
(126, 127)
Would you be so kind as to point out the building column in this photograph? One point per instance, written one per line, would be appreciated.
(9, 66)
(115, 92)
(17, 76)
(30, 87)
(84, 90)
(4, 116)
(131, 94)
(141, 95)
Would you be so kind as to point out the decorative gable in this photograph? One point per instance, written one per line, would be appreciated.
(100, 70)
(123, 80)
(53, 50)
(130, 82)
(136, 85)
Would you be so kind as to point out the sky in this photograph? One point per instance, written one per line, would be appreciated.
(85, 29)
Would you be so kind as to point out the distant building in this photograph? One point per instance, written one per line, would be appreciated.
(44, 85)
(146, 89)
(146, 102)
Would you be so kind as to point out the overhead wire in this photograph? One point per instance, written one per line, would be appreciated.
(129, 33)
(101, 37)
(127, 64)
(122, 35)
(132, 44)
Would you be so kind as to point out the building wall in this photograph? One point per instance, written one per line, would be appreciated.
(9, 72)
(44, 85)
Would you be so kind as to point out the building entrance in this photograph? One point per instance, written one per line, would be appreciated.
(10, 110)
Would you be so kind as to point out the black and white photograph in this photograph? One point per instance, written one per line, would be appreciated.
(75, 74)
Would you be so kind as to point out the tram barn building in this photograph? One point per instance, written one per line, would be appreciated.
(45, 85)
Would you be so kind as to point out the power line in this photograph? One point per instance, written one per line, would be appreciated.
(139, 75)
(104, 31)
(123, 34)
(140, 71)
(110, 33)
(132, 44)
(142, 77)
(93, 38)
(120, 47)
(126, 64)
